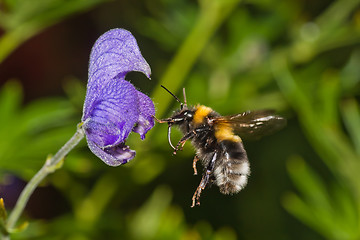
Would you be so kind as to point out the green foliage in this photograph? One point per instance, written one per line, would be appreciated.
(22, 19)
(332, 213)
(29, 133)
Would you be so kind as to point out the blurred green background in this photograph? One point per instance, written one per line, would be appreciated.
(301, 58)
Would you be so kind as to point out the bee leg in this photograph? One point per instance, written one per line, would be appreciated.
(186, 137)
(167, 120)
(170, 122)
(183, 140)
(196, 159)
(204, 181)
(182, 144)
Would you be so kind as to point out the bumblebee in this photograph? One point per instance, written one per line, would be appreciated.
(218, 146)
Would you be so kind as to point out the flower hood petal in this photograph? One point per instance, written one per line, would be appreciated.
(114, 54)
(113, 107)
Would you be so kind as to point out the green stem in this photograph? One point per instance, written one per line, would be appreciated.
(51, 165)
(212, 15)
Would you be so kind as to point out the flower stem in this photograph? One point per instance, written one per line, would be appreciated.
(51, 165)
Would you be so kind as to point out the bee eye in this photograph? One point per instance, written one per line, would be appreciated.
(188, 114)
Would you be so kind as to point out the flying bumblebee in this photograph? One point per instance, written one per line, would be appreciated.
(218, 147)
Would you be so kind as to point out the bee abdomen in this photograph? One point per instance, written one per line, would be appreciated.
(232, 173)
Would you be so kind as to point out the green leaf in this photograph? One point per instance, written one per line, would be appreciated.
(309, 184)
(332, 213)
(351, 114)
(313, 190)
(140, 226)
(301, 210)
(30, 133)
(10, 101)
(329, 91)
(348, 218)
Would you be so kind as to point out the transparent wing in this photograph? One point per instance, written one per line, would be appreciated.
(253, 124)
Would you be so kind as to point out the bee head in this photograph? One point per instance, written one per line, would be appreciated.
(182, 117)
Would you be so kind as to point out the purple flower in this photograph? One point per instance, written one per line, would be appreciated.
(113, 107)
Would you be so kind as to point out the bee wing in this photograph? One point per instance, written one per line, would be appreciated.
(253, 124)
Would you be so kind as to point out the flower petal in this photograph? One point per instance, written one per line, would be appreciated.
(147, 111)
(114, 54)
(113, 114)
(113, 156)
(113, 107)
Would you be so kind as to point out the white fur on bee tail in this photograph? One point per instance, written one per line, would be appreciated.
(232, 175)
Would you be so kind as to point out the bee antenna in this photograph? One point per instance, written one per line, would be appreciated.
(176, 98)
(185, 104)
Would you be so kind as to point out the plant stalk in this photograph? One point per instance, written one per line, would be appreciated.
(51, 165)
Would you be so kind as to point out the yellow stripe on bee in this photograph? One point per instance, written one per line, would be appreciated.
(200, 114)
(225, 132)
